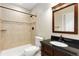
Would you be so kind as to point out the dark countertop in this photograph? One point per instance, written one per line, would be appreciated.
(71, 49)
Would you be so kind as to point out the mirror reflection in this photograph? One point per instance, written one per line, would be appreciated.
(64, 19)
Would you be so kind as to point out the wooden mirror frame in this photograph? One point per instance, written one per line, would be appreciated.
(75, 18)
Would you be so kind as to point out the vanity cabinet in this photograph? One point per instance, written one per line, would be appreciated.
(58, 53)
(47, 50)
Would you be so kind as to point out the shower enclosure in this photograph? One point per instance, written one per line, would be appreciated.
(15, 27)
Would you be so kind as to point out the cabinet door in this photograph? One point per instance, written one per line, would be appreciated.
(46, 50)
(58, 53)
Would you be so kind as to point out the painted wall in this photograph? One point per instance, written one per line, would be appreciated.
(44, 23)
(16, 33)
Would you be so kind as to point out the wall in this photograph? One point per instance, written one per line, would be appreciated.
(17, 27)
(44, 23)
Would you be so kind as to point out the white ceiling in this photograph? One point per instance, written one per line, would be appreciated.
(28, 6)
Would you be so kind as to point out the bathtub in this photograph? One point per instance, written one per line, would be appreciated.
(17, 51)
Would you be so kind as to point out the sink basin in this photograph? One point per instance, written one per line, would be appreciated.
(57, 43)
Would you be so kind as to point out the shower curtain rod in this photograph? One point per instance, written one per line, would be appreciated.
(17, 11)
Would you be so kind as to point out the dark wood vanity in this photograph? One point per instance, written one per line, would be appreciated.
(48, 49)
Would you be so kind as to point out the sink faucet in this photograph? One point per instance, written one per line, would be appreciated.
(61, 39)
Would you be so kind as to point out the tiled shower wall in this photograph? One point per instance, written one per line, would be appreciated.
(15, 29)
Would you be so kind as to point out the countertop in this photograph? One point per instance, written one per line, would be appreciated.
(71, 49)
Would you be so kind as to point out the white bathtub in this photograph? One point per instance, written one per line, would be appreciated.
(17, 51)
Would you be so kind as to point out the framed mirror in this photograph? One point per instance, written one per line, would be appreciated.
(65, 18)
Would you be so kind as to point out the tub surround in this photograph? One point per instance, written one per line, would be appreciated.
(15, 27)
(52, 50)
